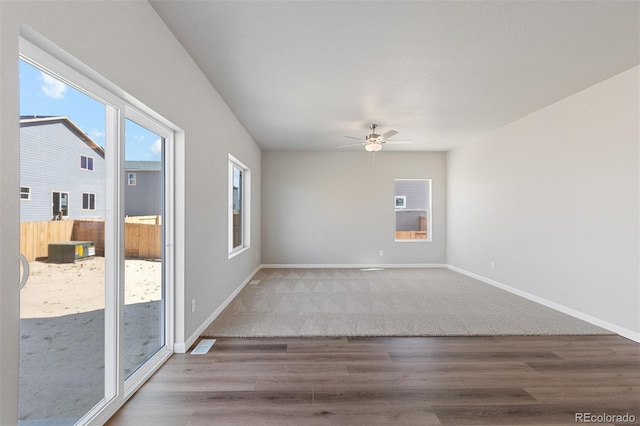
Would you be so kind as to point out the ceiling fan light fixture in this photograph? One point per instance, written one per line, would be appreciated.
(373, 147)
(373, 142)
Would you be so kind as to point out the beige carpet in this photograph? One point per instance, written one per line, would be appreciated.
(389, 302)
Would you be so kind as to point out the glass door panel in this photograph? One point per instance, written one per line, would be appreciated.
(144, 286)
(62, 303)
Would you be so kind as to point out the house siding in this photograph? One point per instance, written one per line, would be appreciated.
(50, 162)
(145, 197)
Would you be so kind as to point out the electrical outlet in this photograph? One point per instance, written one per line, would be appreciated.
(193, 305)
(381, 252)
(493, 265)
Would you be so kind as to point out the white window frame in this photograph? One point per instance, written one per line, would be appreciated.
(132, 178)
(28, 192)
(245, 203)
(43, 54)
(143, 118)
(87, 158)
(428, 211)
(59, 198)
(89, 194)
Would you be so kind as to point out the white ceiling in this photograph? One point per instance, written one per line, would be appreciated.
(302, 74)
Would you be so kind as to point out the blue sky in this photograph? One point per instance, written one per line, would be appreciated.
(42, 94)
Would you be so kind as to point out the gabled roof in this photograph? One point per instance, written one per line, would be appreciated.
(38, 119)
(142, 166)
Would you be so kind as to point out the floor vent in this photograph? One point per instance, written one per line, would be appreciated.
(203, 347)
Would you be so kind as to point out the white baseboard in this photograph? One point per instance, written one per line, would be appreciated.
(624, 332)
(354, 265)
(183, 347)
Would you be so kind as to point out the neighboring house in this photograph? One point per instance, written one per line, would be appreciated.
(62, 171)
(143, 188)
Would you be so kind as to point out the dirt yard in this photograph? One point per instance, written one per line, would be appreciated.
(62, 333)
(56, 289)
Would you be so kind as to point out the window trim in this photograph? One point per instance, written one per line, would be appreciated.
(28, 192)
(89, 201)
(428, 211)
(87, 157)
(245, 203)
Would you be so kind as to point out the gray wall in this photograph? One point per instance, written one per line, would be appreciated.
(553, 200)
(331, 208)
(50, 161)
(104, 35)
(143, 198)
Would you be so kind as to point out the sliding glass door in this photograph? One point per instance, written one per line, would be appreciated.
(96, 231)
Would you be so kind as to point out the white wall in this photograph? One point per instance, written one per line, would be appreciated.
(128, 43)
(553, 199)
(331, 208)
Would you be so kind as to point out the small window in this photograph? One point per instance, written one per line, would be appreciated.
(412, 204)
(86, 163)
(239, 206)
(88, 201)
(131, 179)
(25, 193)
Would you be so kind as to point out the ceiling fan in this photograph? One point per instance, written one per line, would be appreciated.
(373, 142)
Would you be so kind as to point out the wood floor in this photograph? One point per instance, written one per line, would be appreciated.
(367, 381)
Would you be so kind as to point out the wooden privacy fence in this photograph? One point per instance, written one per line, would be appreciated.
(90, 230)
(141, 240)
(36, 236)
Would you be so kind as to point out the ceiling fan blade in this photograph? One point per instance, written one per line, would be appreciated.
(351, 144)
(389, 134)
(353, 137)
(399, 142)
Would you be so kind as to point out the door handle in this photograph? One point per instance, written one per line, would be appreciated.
(25, 270)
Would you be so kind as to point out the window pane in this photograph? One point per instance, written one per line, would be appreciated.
(237, 207)
(62, 305)
(83, 162)
(412, 209)
(64, 203)
(144, 258)
(90, 163)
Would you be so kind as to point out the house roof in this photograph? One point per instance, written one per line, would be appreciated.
(38, 119)
(142, 166)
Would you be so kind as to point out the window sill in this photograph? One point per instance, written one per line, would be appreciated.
(237, 252)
